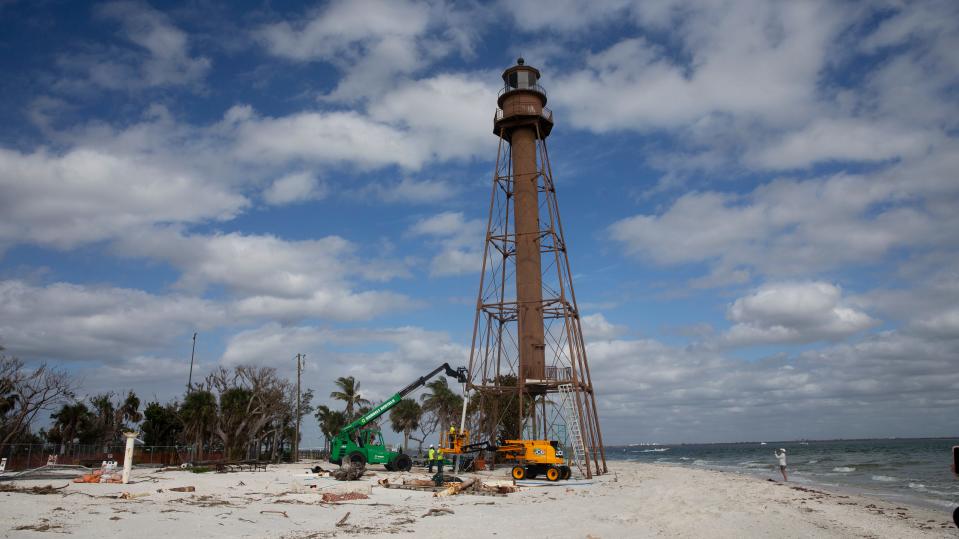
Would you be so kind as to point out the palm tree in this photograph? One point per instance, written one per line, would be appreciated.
(161, 424)
(331, 422)
(198, 413)
(71, 421)
(442, 402)
(111, 417)
(129, 410)
(350, 394)
(103, 409)
(405, 418)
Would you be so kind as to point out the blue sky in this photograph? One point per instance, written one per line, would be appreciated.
(760, 199)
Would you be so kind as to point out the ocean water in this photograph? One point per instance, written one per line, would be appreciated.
(912, 470)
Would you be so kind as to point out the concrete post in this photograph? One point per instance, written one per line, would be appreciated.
(128, 456)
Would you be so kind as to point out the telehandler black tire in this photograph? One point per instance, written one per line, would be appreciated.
(356, 459)
(565, 472)
(402, 463)
(519, 473)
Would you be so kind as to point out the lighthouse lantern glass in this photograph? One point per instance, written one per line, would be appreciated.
(522, 79)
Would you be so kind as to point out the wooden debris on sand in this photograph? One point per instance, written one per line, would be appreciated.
(346, 496)
(419, 482)
(265, 511)
(349, 473)
(436, 511)
(46, 489)
(470, 486)
(43, 527)
(456, 488)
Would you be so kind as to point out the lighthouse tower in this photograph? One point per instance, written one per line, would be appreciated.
(528, 361)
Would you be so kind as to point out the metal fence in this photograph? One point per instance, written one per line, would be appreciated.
(313, 454)
(27, 456)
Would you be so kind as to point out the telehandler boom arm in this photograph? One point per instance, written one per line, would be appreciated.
(459, 373)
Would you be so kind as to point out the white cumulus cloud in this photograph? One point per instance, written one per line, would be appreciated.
(459, 240)
(793, 313)
(69, 321)
(292, 188)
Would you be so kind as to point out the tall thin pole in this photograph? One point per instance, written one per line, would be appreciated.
(296, 441)
(189, 383)
(456, 464)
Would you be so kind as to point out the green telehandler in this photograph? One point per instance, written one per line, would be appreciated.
(361, 446)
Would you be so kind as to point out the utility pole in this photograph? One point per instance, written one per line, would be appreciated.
(296, 440)
(189, 383)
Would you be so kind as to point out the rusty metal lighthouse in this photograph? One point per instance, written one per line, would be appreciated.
(528, 364)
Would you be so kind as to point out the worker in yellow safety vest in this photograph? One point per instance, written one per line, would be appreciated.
(430, 457)
(452, 435)
(438, 478)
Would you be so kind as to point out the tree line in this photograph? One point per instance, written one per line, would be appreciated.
(243, 413)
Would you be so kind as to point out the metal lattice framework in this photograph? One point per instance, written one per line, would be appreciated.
(561, 406)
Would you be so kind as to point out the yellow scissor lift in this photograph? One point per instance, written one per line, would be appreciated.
(531, 457)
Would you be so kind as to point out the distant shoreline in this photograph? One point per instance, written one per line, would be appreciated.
(773, 442)
(913, 500)
(915, 469)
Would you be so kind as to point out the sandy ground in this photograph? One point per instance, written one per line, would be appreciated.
(634, 500)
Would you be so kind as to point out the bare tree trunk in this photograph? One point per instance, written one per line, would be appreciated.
(274, 444)
(35, 391)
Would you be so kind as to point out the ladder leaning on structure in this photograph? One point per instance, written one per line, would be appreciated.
(580, 459)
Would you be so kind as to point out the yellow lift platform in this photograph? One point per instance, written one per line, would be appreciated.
(531, 458)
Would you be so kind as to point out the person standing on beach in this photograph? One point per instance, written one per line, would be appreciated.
(430, 456)
(781, 455)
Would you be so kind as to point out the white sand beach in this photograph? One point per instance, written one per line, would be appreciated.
(634, 500)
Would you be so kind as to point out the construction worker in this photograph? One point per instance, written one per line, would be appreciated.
(452, 435)
(439, 460)
(430, 457)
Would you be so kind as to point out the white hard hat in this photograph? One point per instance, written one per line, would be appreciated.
(782, 449)
(431, 445)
